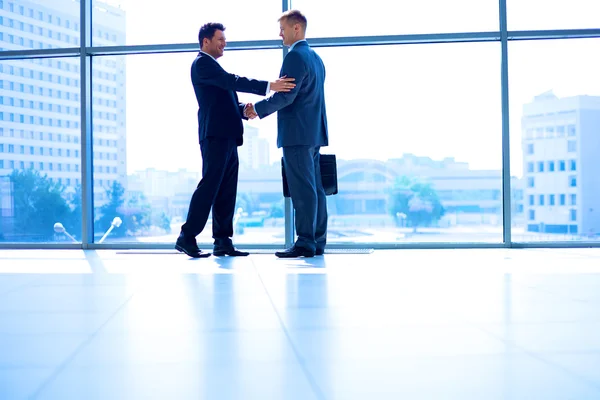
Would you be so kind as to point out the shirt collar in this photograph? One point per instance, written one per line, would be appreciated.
(294, 45)
(210, 55)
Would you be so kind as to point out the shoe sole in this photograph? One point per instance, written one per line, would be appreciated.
(301, 255)
(216, 254)
(195, 255)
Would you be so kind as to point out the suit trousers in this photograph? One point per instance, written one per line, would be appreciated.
(303, 174)
(216, 190)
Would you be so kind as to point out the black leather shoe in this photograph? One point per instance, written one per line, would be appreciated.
(229, 251)
(295, 251)
(319, 252)
(189, 247)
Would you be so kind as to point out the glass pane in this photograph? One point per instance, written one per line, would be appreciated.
(147, 157)
(40, 178)
(38, 25)
(146, 22)
(552, 14)
(394, 17)
(555, 120)
(418, 144)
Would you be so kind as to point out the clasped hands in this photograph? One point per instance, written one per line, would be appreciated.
(249, 111)
(282, 84)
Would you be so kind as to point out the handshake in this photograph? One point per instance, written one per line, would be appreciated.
(249, 111)
(282, 84)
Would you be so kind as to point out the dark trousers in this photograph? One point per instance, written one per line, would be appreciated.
(303, 174)
(217, 189)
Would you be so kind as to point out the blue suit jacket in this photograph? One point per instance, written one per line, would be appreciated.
(301, 117)
(219, 111)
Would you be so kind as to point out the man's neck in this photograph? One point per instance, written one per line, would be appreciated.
(208, 54)
(296, 42)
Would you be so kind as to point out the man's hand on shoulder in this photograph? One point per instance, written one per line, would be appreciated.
(282, 84)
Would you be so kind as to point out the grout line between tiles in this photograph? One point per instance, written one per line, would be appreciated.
(311, 380)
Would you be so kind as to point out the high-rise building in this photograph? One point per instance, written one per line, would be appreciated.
(254, 153)
(561, 138)
(40, 104)
(108, 100)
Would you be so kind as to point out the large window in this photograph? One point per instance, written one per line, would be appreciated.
(419, 155)
(417, 127)
(40, 177)
(147, 159)
(554, 84)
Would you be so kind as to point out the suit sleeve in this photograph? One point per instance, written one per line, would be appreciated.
(241, 107)
(211, 73)
(293, 67)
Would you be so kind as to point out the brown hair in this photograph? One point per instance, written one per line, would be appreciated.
(294, 17)
(207, 31)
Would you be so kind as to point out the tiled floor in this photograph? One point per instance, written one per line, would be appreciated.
(406, 324)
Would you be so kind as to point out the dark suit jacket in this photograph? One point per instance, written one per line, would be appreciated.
(219, 111)
(301, 117)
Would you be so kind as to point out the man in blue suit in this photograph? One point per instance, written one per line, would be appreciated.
(302, 130)
(220, 132)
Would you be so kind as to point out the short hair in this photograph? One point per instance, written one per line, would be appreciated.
(207, 31)
(294, 17)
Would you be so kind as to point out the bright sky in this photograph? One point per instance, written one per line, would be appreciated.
(384, 101)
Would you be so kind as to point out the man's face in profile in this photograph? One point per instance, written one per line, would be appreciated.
(287, 32)
(216, 45)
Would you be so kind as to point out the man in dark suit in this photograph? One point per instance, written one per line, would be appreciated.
(302, 130)
(220, 131)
